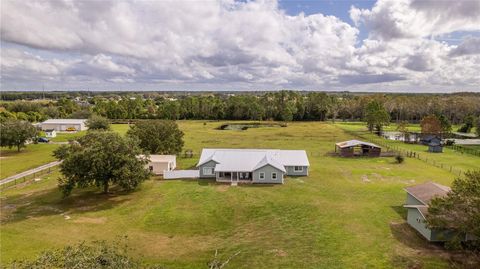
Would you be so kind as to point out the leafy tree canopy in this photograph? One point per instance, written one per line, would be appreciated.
(431, 125)
(101, 159)
(467, 124)
(96, 122)
(15, 133)
(376, 116)
(460, 209)
(477, 125)
(445, 123)
(158, 136)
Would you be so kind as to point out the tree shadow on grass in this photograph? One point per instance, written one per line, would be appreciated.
(51, 202)
(406, 235)
(400, 210)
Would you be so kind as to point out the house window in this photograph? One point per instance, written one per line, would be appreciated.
(150, 168)
(261, 175)
(298, 168)
(208, 171)
(274, 176)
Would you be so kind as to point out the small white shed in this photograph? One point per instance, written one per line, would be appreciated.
(160, 163)
(50, 133)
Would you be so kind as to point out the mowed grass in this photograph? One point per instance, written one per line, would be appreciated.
(346, 214)
(67, 136)
(34, 155)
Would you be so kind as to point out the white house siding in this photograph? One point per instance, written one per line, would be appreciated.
(268, 170)
(291, 171)
(416, 220)
(412, 200)
(159, 167)
(210, 164)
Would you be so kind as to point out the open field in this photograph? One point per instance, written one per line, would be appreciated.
(13, 162)
(449, 157)
(346, 214)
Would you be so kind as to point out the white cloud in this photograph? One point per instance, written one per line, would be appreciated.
(390, 19)
(469, 46)
(227, 44)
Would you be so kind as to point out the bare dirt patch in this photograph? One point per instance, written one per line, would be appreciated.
(279, 252)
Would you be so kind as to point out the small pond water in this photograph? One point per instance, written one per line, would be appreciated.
(246, 126)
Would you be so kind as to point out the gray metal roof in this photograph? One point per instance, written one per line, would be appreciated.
(247, 160)
(353, 143)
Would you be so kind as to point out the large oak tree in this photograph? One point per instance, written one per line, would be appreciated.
(158, 136)
(101, 159)
(16, 133)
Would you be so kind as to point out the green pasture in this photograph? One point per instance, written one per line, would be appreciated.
(346, 214)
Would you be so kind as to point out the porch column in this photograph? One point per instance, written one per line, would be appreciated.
(231, 176)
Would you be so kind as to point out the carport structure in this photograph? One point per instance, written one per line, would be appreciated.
(352, 148)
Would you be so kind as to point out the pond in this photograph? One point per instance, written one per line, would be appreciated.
(246, 126)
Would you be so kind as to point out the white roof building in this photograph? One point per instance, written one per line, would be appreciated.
(64, 124)
(247, 163)
(158, 164)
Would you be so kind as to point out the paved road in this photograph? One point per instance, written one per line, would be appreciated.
(29, 172)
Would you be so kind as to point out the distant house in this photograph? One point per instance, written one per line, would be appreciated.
(252, 165)
(50, 133)
(159, 163)
(63, 125)
(435, 145)
(418, 198)
(352, 148)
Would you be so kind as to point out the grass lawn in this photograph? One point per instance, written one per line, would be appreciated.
(65, 137)
(13, 162)
(346, 214)
(449, 157)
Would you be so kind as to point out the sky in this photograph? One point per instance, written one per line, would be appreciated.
(385, 45)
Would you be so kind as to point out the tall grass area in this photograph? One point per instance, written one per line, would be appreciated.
(346, 214)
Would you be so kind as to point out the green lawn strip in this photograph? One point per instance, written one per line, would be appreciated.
(34, 155)
(65, 137)
(343, 215)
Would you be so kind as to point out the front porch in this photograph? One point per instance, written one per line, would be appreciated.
(238, 177)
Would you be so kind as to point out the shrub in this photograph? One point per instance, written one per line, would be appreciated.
(399, 158)
(450, 142)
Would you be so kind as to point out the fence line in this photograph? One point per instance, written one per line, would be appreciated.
(463, 150)
(28, 177)
(408, 153)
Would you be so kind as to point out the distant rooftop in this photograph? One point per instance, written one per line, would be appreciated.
(353, 143)
(64, 121)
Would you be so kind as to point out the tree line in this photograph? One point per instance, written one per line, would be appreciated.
(279, 106)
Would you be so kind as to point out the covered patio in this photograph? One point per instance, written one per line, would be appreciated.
(242, 177)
